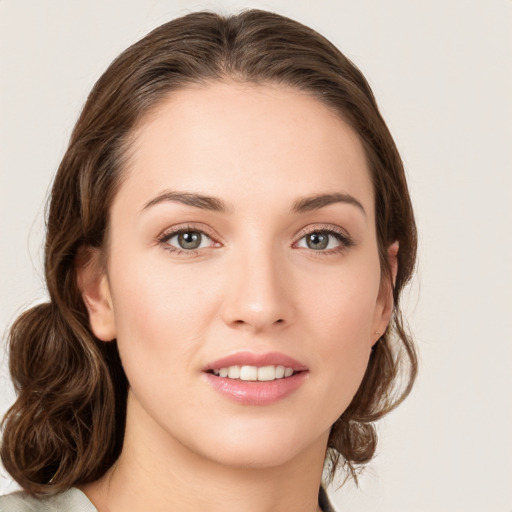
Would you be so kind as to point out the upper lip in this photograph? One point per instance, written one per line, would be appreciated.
(253, 359)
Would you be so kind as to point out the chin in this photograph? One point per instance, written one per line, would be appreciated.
(261, 445)
(249, 456)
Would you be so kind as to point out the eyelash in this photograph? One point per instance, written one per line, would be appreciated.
(164, 238)
(345, 241)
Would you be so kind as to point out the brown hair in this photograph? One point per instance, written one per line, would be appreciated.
(66, 426)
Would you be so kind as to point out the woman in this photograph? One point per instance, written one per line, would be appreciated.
(228, 236)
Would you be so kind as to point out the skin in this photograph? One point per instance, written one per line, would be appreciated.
(254, 285)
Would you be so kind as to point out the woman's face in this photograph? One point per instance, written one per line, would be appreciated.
(242, 236)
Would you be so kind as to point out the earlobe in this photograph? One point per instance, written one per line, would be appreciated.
(93, 284)
(385, 303)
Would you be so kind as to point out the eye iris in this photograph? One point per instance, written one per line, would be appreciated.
(317, 241)
(189, 240)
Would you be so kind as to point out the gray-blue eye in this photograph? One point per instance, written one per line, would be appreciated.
(320, 241)
(189, 240)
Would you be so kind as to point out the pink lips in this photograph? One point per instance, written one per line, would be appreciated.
(256, 392)
(251, 359)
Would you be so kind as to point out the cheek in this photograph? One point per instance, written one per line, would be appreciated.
(161, 318)
(342, 321)
(346, 304)
(161, 312)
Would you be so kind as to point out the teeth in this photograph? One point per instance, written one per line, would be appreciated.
(248, 373)
(254, 373)
(267, 373)
(234, 372)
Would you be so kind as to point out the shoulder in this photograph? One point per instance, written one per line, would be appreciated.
(72, 500)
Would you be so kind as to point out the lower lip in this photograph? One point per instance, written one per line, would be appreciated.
(256, 392)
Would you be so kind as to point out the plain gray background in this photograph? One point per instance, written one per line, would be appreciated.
(442, 73)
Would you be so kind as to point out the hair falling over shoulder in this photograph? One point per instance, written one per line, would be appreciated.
(67, 424)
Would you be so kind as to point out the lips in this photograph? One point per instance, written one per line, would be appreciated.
(256, 379)
(258, 360)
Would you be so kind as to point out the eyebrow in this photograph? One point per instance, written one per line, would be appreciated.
(190, 199)
(317, 201)
(305, 204)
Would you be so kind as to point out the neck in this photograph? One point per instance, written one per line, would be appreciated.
(156, 472)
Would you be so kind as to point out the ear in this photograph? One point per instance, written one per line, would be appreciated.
(93, 284)
(385, 301)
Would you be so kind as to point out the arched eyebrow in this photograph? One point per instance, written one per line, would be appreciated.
(190, 199)
(317, 201)
(302, 205)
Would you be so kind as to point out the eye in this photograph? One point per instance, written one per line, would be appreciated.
(187, 240)
(326, 240)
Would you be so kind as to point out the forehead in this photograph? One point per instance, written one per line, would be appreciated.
(242, 142)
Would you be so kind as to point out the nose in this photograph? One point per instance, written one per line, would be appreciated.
(259, 296)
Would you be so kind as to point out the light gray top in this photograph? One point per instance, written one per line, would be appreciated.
(72, 500)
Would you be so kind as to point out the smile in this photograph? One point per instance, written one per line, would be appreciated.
(256, 379)
(254, 373)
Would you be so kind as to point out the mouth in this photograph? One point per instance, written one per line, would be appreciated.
(256, 379)
(254, 373)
